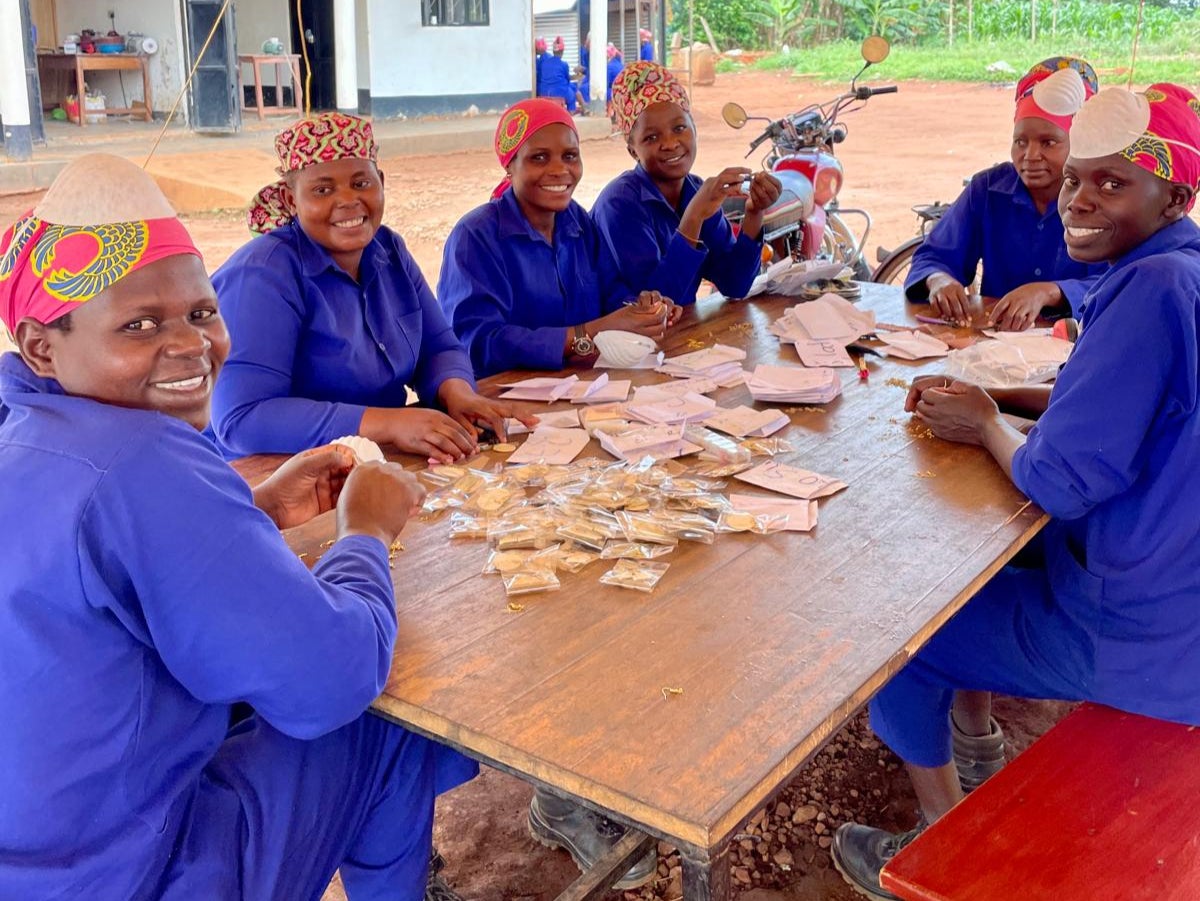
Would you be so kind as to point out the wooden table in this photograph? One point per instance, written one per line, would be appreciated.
(292, 63)
(101, 62)
(776, 641)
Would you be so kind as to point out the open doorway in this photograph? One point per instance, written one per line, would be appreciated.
(312, 33)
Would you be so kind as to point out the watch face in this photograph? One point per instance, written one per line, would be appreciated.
(584, 345)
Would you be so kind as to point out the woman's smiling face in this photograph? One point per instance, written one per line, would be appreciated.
(546, 170)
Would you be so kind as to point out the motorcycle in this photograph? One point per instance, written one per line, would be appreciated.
(806, 223)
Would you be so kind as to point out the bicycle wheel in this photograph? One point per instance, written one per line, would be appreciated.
(894, 269)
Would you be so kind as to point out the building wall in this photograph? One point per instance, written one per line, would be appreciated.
(416, 70)
(160, 20)
(258, 20)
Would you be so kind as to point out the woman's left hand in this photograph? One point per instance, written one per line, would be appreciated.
(305, 486)
(958, 411)
(765, 189)
(476, 412)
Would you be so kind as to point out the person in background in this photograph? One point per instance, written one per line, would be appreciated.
(526, 281)
(1007, 217)
(646, 51)
(331, 319)
(556, 77)
(1106, 610)
(540, 56)
(148, 590)
(664, 224)
(615, 65)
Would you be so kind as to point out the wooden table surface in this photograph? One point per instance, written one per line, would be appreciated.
(775, 640)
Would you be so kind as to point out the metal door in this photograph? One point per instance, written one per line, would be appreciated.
(213, 102)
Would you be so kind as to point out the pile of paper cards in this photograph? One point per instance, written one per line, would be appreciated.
(721, 363)
(828, 318)
(746, 422)
(788, 276)
(794, 384)
(659, 442)
(601, 390)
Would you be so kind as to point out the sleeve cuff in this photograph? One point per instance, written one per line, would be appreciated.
(345, 420)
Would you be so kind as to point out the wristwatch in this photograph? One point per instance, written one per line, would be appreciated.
(581, 344)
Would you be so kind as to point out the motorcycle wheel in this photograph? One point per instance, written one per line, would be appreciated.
(839, 244)
(894, 268)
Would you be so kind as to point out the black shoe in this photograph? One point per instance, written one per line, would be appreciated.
(977, 757)
(860, 852)
(436, 888)
(586, 836)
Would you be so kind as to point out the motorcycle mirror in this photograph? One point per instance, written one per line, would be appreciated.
(734, 115)
(875, 49)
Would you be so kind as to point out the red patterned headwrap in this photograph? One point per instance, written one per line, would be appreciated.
(519, 123)
(67, 250)
(321, 139)
(1156, 130)
(644, 84)
(1055, 89)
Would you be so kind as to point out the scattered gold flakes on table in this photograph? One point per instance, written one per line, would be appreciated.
(302, 556)
(790, 410)
(694, 344)
(396, 547)
(927, 474)
(742, 327)
(668, 690)
(898, 383)
(919, 431)
(514, 607)
(504, 448)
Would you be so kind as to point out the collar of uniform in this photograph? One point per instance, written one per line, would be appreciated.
(1009, 184)
(651, 193)
(16, 377)
(315, 259)
(1173, 237)
(513, 222)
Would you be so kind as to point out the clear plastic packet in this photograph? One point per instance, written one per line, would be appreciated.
(510, 537)
(714, 470)
(706, 503)
(441, 476)
(495, 500)
(504, 562)
(638, 503)
(637, 575)
(605, 498)
(682, 486)
(572, 559)
(644, 527)
(759, 524)
(715, 446)
(768, 447)
(441, 500)
(688, 526)
(531, 581)
(464, 525)
(531, 475)
(584, 533)
(634, 550)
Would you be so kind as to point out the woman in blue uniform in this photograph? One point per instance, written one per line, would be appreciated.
(526, 281)
(1007, 217)
(1110, 614)
(332, 321)
(662, 223)
(147, 589)
(556, 76)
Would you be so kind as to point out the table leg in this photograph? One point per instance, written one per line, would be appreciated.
(145, 63)
(297, 90)
(278, 86)
(706, 877)
(258, 100)
(80, 91)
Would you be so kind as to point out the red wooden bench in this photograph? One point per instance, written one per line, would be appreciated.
(1106, 805)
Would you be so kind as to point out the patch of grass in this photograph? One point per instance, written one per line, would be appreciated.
(729, 65)
(1172, 60)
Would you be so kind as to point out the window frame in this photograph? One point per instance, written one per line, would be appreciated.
(434, 9)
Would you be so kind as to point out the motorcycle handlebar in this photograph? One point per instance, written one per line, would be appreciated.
(889, 89)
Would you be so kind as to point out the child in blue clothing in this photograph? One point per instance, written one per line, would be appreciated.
(1111, 613)
(1007, 217)
(332, 321)
(526, 281)
(148, 589)
(665, 225)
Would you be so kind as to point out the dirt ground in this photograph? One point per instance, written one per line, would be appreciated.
(912, 147)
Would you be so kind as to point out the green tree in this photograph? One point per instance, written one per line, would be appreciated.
(731, 21)
(786, 22)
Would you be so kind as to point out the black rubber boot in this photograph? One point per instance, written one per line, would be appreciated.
(860, 852)
(586, 836)
(977, 757)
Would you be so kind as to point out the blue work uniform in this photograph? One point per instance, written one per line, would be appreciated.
(556, 81)
(539, 71)
(995, 221)
(1112, 611)
(646, 53)
(144, 595)
(585, 83)
(313, 348)
(641, 230)
(513, 296)
(615, 65)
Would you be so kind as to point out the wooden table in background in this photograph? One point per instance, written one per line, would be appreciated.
(101, 62)
(291, 62)
(776, 641)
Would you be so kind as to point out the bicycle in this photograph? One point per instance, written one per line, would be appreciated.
(894, 264)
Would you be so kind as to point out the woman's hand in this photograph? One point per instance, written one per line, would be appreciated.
(919, 384)
(650, 315)
(474, 412)
(765, 189)
(1019, 308)
(305, 486)
(708, 199)
(948, 298)
(417, 430)
(377, 500)
(958, 412)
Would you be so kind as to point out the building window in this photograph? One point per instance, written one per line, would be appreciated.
(454, 12)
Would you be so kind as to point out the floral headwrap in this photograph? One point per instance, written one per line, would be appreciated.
(1156, 130)
(519, 123)
(644, 84)
(1055, 90)
(321, 139)
(69, 248)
